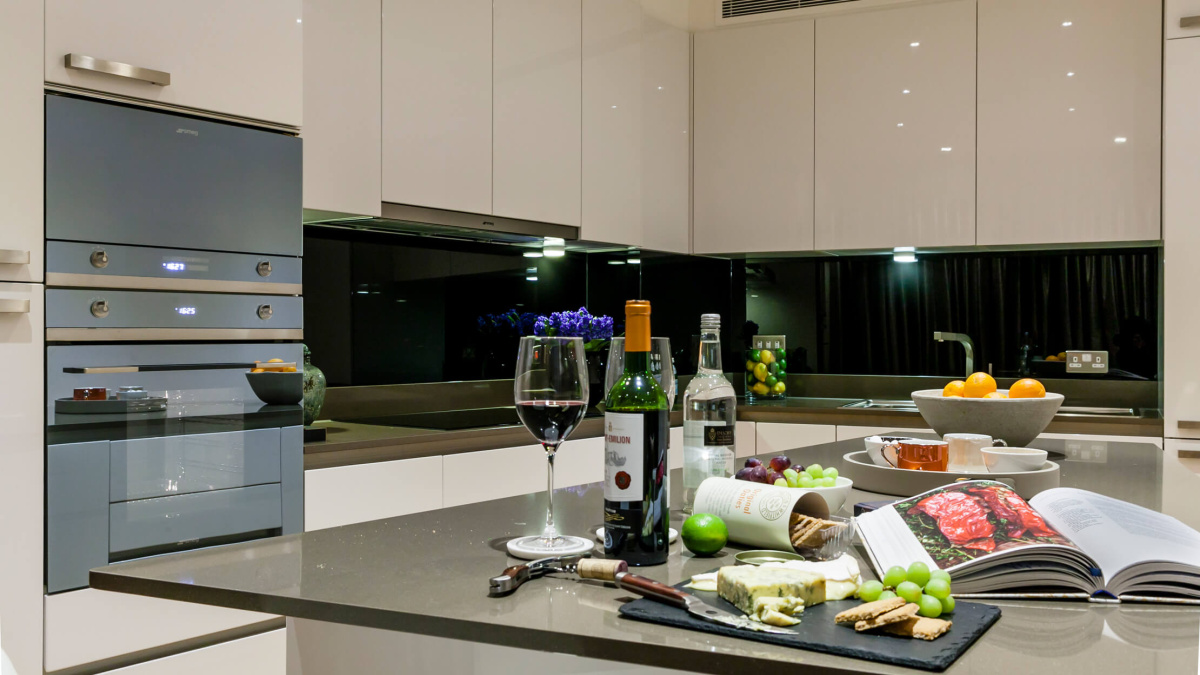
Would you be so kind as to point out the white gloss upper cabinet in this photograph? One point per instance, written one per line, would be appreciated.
(636, 114)
(342, 124)
(437, 104)
(895, 129)
(1182, 18)
(23, 232)
(536, 77)
(1069, 121)
(1181, 238)
(753, 145)
(226, 56)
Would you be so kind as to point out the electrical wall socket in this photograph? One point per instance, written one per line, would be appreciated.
(1087, 362)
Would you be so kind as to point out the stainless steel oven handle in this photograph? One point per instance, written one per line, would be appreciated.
(82, 62)
(12, 256)
(14, 306)
(169, 367)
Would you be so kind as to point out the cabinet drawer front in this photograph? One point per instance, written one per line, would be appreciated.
(156, 179)
(150, 523)
(160, 467)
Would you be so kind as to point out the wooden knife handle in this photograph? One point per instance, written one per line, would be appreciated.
(606, 570)
(652, 589)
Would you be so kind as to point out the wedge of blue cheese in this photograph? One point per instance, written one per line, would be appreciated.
(744, 585)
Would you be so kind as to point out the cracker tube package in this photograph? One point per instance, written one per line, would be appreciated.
(757, 514)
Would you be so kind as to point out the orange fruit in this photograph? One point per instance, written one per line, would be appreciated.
(955, 388)
(1052, 358)
(995, 394)
(979, 385)
(1027, 388)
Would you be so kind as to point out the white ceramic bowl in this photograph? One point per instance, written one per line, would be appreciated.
(875, 445)
(1016, 421)
(835, 497)
(1013, 460)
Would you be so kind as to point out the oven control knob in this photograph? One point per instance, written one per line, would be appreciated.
(99, 258)
(265, 312)
(100, 309)
(264, 268)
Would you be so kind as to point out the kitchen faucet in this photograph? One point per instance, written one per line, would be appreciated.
(965, 341)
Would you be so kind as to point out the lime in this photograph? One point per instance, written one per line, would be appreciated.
(770, 381)
(754, 353)
(704, 534)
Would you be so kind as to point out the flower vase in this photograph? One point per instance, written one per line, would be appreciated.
(314, 389)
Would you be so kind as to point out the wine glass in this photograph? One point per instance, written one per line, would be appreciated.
(551, 393)
(661, 365)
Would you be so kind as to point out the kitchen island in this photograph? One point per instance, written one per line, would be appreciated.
(409, 594)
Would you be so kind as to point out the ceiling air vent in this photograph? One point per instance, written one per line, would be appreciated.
(732, 9)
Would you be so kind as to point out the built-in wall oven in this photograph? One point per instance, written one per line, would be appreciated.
(172, 265)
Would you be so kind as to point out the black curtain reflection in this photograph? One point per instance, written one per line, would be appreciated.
(878, 317)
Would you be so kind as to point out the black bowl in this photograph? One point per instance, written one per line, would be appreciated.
(277, 388)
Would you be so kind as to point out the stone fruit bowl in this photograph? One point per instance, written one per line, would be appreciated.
(1017, 421)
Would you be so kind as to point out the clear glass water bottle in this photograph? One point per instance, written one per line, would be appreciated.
(709, 416)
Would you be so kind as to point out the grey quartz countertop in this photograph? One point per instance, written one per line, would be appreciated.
(427, 573)
(350, 442)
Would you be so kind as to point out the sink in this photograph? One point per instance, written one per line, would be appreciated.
(883, 404)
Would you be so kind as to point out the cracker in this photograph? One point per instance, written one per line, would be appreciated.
(868, 610)
(921, 627)
(895, 616)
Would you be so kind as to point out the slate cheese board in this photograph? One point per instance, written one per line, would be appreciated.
(817, 632)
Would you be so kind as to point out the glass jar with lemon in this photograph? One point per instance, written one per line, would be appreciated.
(766, 368)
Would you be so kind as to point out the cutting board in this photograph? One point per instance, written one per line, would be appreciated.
(817, 631)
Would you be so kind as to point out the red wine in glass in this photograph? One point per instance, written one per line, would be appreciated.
(551, 421)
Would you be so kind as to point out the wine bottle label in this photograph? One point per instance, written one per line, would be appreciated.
(624, 448)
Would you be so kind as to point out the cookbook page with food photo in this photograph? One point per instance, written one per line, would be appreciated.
(1064, 543)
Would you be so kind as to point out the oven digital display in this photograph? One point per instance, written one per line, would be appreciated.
(174, 266)
(185, 311)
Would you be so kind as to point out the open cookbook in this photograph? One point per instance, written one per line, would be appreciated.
(1062, 543)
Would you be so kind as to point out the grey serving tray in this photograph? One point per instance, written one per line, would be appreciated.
(887, 480)
(110, 406)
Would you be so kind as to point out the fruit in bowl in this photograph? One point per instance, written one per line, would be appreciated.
(982, 385)
(975, 406)
(812, 478)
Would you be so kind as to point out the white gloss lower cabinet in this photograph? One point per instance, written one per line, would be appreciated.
(360, 492)
(775, 438)
(88, 625)
(22, 457)
(1069, 121)
(753, 145)
(536, 74)
(895, 128)
(437, 104)
(1182, 18)
(262, 654)
(342, 123)
(471, 477)
(636, 114)
(21, 139)
(1181, 480)
(1181, 238)
(745, 439)
(224, 56)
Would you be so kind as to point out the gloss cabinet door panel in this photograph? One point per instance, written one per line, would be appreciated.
(224, 56)
(437, 104)
(753, 150)
(342, 63)
(636, 117)
(536, 89)
(1182, 18)
(1181, 239)
(21, 139)
(22, 477)
(895, 128)
(1069, 121)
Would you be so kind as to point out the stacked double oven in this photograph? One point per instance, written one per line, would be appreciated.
(173, 251)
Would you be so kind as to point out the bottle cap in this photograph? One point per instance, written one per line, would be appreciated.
(710, 320)
(637, 326)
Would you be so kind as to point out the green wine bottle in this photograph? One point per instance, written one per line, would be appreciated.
(636, 421)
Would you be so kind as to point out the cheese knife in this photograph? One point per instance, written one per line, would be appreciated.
(649, 588)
